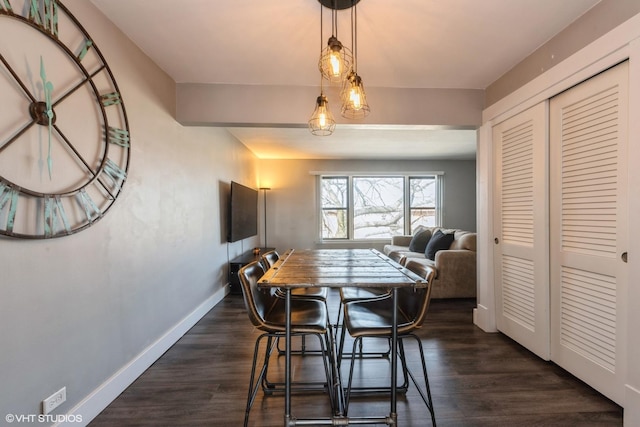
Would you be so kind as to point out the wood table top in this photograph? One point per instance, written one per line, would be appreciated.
(338, 268)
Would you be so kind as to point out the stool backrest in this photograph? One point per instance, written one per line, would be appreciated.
(414, 302)
(257, 301)
(269, 258)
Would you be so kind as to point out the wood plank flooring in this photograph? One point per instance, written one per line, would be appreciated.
(477, 379)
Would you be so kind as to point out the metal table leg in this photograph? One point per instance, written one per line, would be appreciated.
(394, 357)
(287, 372)
(338, 392)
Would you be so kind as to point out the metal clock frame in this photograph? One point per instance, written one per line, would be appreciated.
(109, 177)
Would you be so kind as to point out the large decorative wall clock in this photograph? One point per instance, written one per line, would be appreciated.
(64, 133)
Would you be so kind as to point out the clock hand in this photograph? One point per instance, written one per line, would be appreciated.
(48, 89)
(28, 94)
(43, 76)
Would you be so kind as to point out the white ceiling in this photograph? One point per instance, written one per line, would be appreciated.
(404, 44)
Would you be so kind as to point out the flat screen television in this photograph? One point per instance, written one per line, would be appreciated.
(243, 213)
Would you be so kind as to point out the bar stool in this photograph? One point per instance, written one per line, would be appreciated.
(373, 318)
(268, 259)
(348, 295)
(267, 313)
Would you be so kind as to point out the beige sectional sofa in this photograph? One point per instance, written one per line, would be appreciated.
(455, 267)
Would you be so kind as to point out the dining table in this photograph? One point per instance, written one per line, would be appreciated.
(338, 268)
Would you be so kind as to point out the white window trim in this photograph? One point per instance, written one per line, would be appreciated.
(350, 209)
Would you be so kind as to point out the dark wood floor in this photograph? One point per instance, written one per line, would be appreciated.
(477, 379)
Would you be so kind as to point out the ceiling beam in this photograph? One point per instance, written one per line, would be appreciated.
(286, 106)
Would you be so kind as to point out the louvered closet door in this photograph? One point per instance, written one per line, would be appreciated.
(521, 225)
(588, 137)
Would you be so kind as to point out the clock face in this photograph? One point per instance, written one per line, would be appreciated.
(64, 133)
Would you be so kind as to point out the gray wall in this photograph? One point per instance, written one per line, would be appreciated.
(599, 20)
(291, 202)
(76, 310)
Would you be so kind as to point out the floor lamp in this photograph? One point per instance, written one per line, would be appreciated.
(265, 189)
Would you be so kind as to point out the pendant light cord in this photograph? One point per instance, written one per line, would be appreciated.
(334, 18)
(354, 35)
(321, 46)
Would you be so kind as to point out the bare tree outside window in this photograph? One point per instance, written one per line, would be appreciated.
(376, 207)
(423, 203)
(335, 199)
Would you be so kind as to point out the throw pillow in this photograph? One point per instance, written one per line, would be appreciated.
(438, 242)
(419, 241)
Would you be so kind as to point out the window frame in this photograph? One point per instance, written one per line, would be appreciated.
(322, 208)
(407, 207)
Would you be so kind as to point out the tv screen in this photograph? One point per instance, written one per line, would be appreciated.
(243, 212)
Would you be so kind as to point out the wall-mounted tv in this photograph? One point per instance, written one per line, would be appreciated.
(243, 213)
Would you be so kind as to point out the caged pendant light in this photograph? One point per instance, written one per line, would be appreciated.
(338, 65)
(335, 59)
(321, 122)
(354, 99)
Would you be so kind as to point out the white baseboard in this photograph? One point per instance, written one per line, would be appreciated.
(631, 406)
(101, 397)
(482, 319)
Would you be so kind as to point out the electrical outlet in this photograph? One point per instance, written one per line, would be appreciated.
(53, 401)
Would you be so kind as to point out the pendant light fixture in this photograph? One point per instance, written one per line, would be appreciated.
(335, 59)
(321, 122)
(354, 99)
(338, 65)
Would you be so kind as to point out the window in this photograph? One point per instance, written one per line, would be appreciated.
(423, 202)
(334, 208)
(377, 207)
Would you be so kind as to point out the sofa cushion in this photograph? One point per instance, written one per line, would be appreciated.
(388, 249)
(419, 241)
(438, 242)
(464, 240)
(401, 240)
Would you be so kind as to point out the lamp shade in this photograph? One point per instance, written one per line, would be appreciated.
(335, 61)
(354, 99)
(321, 122)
